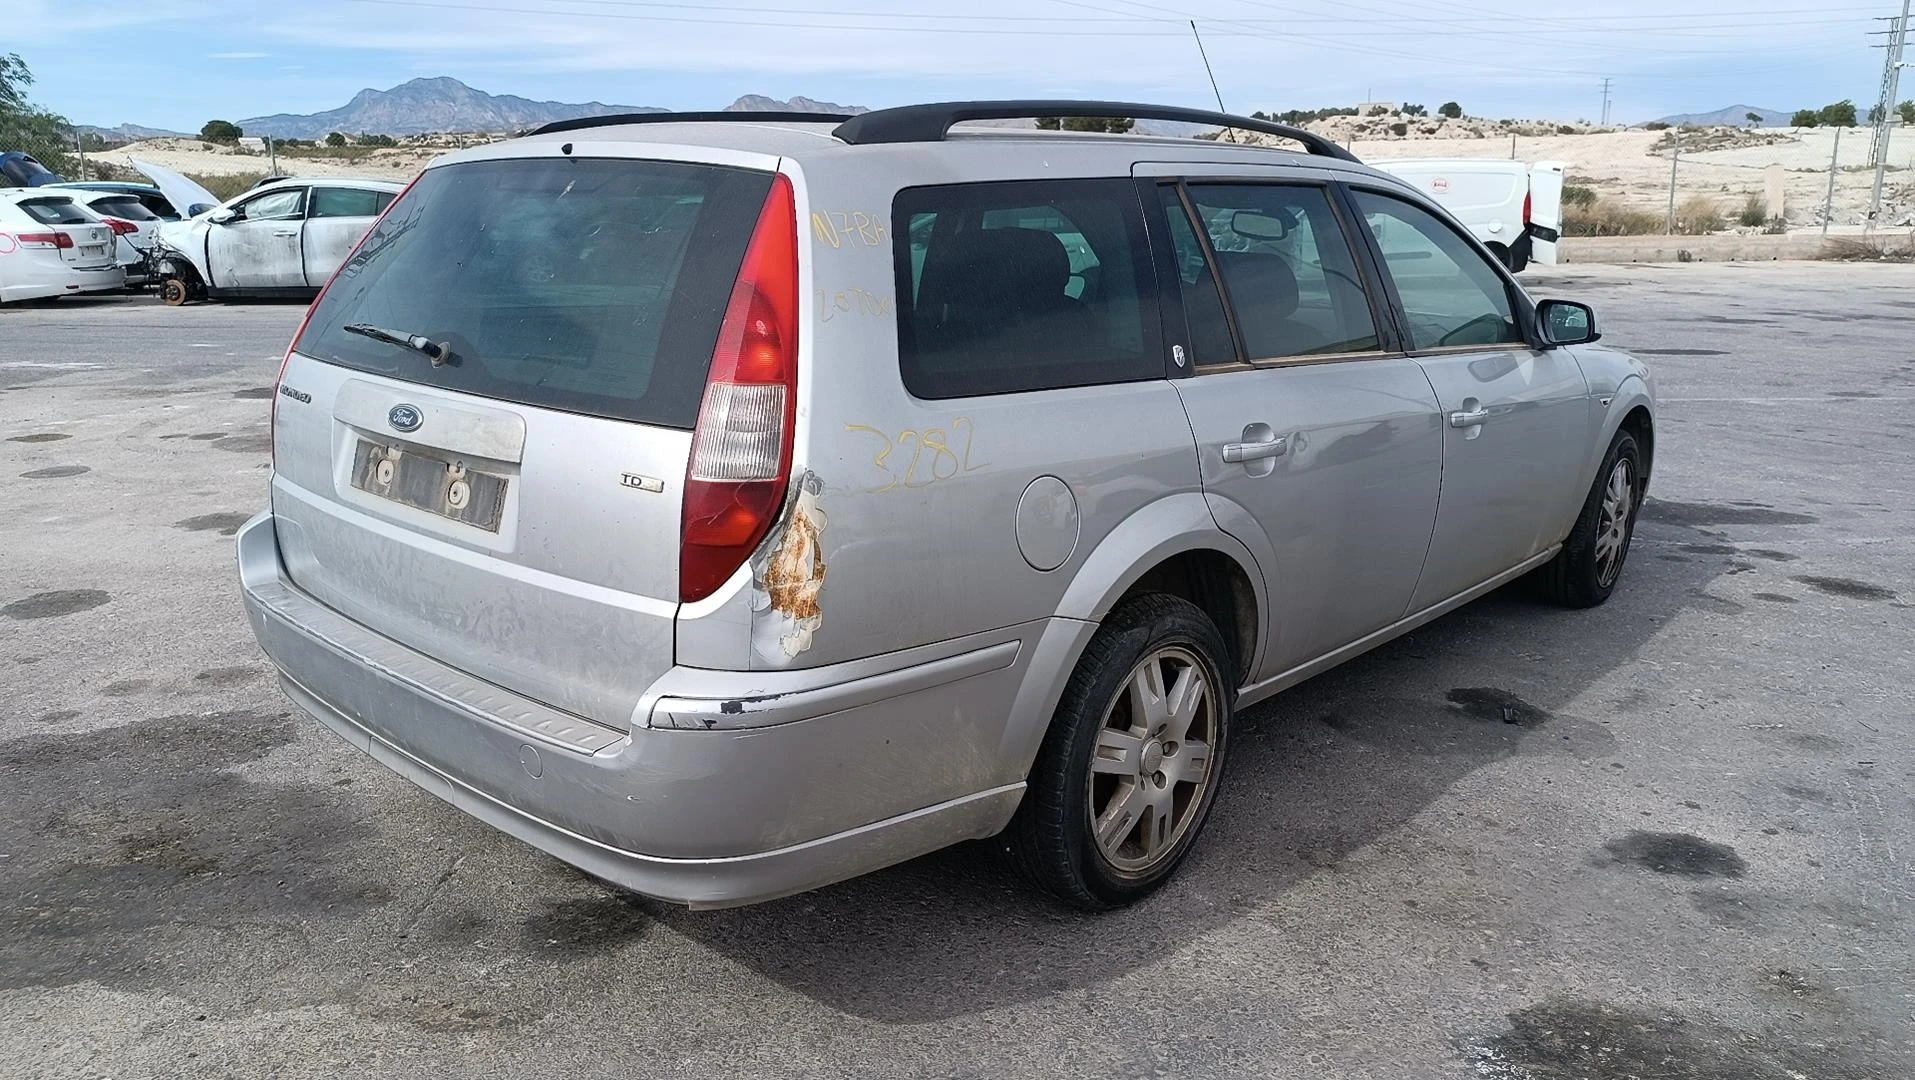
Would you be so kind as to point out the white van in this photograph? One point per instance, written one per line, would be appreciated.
(1515, 208)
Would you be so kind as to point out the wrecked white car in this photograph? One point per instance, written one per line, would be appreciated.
(284, 238)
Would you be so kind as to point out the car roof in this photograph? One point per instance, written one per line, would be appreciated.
(120, 187)
(802, 141)
(19, 194)
(365, 182)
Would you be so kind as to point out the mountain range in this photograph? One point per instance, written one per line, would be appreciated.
(446, 104)
(1733, 116)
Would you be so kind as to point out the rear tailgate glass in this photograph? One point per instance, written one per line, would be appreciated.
(591, 286)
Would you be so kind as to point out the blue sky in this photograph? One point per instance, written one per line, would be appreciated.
(177, 63)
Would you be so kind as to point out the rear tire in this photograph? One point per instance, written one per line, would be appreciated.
(1586, 570)
(1133, 759)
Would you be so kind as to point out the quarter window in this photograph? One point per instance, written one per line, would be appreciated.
(1007, 287)
(1204, 319)
(1291, 279)
(1451, 294)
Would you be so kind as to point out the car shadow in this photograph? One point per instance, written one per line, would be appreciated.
(1317, 773)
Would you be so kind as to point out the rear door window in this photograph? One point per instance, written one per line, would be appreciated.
(347, 202)
(55, 211)
(591, 285)
(1291, 278)
(1027, 285)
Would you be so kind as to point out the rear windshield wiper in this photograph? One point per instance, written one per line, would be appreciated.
(440, 352)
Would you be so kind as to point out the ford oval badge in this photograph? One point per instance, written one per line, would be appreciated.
(405, 418)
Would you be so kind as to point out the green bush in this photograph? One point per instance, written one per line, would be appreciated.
(1754, 212)
(1597, 218)
(1414, 110)
(1699, 215)
(1566, 129)
(1805, 118)
(1840, 114)
(1907, 112)
(335, 139)
(220, 131)
(1655, 125)
(1399, 129)
(1450, 109)
(1579, 196)
(226, 185)
(369, 139)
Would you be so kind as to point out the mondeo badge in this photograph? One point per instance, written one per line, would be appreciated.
(405, 418)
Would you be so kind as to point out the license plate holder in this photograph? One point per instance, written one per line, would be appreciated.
(436, 485)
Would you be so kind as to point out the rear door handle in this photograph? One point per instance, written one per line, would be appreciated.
(1468, 419)
(1255, 451)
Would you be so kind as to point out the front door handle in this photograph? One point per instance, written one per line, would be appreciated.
(1470, 418)
(1255, 451)
(285, 232)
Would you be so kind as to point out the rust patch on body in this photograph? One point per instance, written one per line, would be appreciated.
(796, 573)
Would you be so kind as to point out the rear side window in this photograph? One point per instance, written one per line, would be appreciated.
(587, 285)
(124, 207)
(1029, 285)
(55, 211)
(347, 202)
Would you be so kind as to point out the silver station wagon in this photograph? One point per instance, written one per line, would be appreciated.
(731, 504)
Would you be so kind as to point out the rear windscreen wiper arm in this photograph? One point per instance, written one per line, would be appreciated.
(440, 352)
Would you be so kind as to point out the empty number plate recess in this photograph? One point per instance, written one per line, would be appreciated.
(428, 483)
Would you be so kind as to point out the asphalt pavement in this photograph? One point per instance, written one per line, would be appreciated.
(1671, 837)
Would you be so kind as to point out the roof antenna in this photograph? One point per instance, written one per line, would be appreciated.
(1212, 74)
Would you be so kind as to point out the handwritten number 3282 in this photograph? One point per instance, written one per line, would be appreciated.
(932, 457)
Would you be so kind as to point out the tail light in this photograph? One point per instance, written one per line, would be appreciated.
(1526, 199)
(741, 449)
(120, 228)
(44, 239)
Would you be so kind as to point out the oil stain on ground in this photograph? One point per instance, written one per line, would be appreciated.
(245, 444)
(226, 676)
(254, 392)
(56, 472)
(47, 605)
(227, 523)
(1775, 598)
(40, 437)
(1846, 588)
(1491, 703)
(1676, 853)
(583, 927)
(1693, 514)
(1680, 352)
(140, 846)
(1563, 1038)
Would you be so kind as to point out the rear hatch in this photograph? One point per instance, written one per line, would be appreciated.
(139, 225)
(511, 506)
(89, 244)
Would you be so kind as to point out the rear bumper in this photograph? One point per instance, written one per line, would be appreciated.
(706, 817)
(64, 280)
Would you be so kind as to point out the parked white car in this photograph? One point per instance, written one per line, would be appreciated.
(279, 239)
(1514, 208)
(50, 245)
(135, 227)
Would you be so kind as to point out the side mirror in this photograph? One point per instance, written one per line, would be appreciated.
(1565, 322)
(223, 217)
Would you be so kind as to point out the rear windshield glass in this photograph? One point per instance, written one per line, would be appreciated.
(125, 207)
(587, 285)
(55, 211)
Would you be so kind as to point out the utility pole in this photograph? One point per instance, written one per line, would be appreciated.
(80, 147)
(1828, 201)
(1605, 101)
(1891, 78)
(1675, 133)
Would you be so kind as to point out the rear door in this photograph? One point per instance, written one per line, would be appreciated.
(1306, 420)
(515, 510)
(1545, 210)
(336, 217)
(259, 249)
(1516, 418)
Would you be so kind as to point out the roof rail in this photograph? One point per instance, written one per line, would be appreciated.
(616, 119)
(931, 123)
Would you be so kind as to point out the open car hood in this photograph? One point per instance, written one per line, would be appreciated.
(190, 199)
